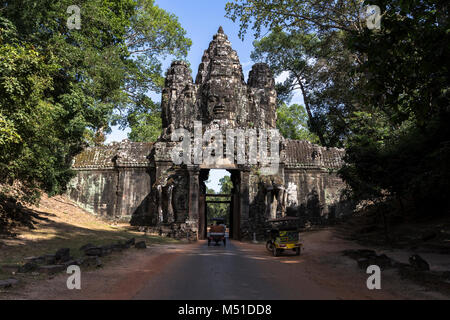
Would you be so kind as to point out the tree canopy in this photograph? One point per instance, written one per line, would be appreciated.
(62, 88)
(381, 94)
(220, 210)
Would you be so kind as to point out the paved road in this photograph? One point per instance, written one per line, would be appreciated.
(238, 271)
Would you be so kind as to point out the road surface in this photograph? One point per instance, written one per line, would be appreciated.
(233, 272)
(239, 271)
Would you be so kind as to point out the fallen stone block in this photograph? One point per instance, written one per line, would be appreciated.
(106, 250)
(140, 245)
(94, 251)
(63, 255)
(370, 258)
(418, 263)
(37, 260)
(131, 242)
(429, 236)
(52, 269)
(383, 261)
(8, 283)
(49, 259)
(28, 267)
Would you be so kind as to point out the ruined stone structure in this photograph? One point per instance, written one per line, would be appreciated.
(140, 183)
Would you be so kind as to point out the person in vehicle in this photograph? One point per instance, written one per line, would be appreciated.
(218, 228)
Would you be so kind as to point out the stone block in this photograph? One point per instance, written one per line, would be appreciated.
(28, 267)
(94, 251)
(52, 269)
(8, 283)
(140, 245)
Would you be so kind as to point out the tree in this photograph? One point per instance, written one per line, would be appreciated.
(408, 96)
(220, 210)
(145, 122)
(384, 97)
(294, 15)
(291, 53)
(293, 123)
(226, 185)
(61, 89)
(322, 68)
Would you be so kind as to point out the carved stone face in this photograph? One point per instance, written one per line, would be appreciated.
(219, 101)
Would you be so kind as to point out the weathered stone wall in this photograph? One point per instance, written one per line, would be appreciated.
(314, 192)
(314, 195)
(112, 182)
(95, 191)
(115, 194)
(133, 192)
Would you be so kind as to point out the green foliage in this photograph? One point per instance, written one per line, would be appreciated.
(293, 123)
(319, 66)
(220, 210)
(291, 15)
(226, 185)
(61, 89)
(145, 123)
(383, 94)
(405, 153)
(291, 53)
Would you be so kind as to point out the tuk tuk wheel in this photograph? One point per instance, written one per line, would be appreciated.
(297, 251)
(269, 246)
(275, 252)
(224, 242)
(209, 242)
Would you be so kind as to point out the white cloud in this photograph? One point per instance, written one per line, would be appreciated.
(282, 77)
(117, 135)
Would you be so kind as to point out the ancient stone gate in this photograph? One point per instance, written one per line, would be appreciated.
(172, 196)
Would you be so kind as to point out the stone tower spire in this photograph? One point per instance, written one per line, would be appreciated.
(219, 60)
(219, 98)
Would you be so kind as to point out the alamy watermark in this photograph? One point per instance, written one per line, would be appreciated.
(74, 281)
(374, 281)
(242, 147)
(372, 15)
(74, 21)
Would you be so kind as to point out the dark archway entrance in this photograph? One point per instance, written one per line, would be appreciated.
(231, 200)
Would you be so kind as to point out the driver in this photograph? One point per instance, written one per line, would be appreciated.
(218, 228)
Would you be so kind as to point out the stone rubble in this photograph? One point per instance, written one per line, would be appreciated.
(51, 264)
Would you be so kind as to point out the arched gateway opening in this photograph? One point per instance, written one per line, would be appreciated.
(229, 199)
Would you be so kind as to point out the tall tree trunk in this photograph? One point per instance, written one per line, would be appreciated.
(314, 126)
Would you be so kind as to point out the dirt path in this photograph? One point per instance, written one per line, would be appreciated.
(239, 271)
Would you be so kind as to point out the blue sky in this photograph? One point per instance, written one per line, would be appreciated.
(201, 20)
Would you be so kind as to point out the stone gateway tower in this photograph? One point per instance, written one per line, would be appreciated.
(143, 183)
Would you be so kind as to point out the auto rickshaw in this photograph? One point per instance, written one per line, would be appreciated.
(284, 235)
(217, 232)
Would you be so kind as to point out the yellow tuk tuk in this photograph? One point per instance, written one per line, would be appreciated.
(284, 236)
